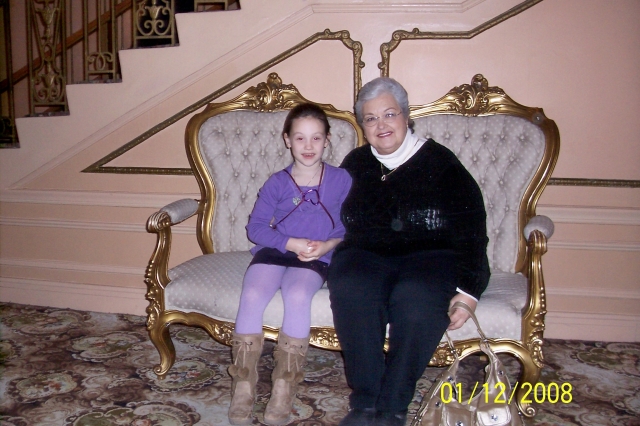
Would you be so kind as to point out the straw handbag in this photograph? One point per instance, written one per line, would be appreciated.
(490, 404)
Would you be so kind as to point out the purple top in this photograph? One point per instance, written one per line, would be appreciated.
(276, 200)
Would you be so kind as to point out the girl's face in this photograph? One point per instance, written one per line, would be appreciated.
(307, 141)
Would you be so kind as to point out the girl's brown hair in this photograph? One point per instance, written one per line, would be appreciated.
(302, 111)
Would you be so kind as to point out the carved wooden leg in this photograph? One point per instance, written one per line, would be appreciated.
(159, 335)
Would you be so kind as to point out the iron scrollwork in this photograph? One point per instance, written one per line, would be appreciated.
(46, 25)
(154, 20)
(103, 61)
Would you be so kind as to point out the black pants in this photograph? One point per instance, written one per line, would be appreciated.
(410, 293)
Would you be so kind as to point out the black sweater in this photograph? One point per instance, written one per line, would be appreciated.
(431, 202)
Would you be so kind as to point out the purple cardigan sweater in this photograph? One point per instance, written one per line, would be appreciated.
(275, 201)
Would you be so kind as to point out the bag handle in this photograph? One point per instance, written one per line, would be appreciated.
(465, 307)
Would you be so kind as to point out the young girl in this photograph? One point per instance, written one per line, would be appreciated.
(295, 225)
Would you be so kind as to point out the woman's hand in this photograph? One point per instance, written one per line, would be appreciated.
(297, 245)
(317, 249)
(459, 316)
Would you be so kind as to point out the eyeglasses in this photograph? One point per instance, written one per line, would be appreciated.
(372, 120)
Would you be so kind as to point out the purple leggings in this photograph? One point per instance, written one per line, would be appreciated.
(261, 281)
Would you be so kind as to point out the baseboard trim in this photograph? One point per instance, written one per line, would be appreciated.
(594, 327)
(85, 297)
(594, 293)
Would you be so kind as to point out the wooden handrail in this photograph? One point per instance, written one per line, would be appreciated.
(72, 40)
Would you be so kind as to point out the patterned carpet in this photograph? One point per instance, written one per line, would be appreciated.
(65, 367)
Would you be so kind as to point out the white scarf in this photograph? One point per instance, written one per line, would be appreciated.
(410, 146)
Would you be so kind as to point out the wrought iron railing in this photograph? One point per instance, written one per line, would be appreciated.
(47, 80)
(74, 41)
(8, 134)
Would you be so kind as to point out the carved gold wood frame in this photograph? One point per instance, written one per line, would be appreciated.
(478, 99)
(269, 96)
(343, 36)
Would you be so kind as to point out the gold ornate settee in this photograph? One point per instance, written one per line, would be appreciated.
(234, 146)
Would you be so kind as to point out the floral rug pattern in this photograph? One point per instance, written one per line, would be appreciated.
(64, 367)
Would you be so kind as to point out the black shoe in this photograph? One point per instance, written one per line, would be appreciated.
(359, 417)
(384, 418)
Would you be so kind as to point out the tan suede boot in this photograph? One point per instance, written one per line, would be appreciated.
(289, 357)
(245, 351)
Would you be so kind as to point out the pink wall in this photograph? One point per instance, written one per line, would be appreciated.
(76, 239)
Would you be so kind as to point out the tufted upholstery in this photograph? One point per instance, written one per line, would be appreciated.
(501, 152)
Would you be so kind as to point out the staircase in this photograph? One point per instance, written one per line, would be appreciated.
(48, 44)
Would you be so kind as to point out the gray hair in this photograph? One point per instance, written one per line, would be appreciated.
(379, 86)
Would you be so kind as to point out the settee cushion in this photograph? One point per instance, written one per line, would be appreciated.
(211, 285)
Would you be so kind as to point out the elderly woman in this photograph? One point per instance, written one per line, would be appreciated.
(415, 244)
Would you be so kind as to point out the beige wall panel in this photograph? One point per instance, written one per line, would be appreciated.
(94, 247)
(588, 304)
(76, 245)
(570, 59)
(164, 149)
(592, 273)
(566, 233)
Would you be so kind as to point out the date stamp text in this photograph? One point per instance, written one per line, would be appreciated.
(552, 393)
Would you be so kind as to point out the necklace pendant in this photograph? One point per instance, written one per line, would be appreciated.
(296, 200)
(383, 178)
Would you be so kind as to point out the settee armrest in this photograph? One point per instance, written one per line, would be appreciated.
(537, 231)
(157, 273)
(539, 223)
(181, 210)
